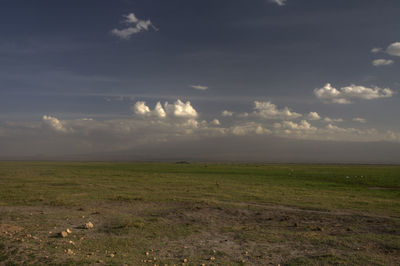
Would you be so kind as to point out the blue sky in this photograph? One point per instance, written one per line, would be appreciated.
(73, 70)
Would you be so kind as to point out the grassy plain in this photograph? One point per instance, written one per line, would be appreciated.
(199, 213)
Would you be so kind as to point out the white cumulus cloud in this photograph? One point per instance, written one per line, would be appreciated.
(159, 110)
(181, 109)
(135, 26)
(346, 94)
(268, 110)
(394, 49)
(226, 113)
(314, 116)
(54, 123)
(141, 108)
(177, 109)
(215, 122)
(382, 62)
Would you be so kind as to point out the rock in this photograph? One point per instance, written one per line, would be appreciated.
(70, 252)
(68, 231)
(111, 255)
(212, 258)
(185, 260)
(88, 225)
(100, 261)
(147, 254)
(63, 234)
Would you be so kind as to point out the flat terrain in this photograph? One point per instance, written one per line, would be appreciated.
(212, 214)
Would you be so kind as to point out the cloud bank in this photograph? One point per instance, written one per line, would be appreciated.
(345, 95)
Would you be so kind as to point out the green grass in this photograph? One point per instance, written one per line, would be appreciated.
(137, 205)
(365, 188)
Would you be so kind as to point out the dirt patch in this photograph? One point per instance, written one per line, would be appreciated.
(10, 229)
(209, 233)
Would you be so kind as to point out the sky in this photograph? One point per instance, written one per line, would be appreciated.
(317, 80)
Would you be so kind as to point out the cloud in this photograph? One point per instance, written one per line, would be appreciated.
(394, 49)
(314, 116)
(181, 109)
(333, 120)
(289, 125)
(376, 50)
(382, 62)
(159, 110)
(226, 113)
(215, 122)
(141, 108)
(135, 26)
(268, 110)
(54, 124)
(346, 94)
(279, 2)
(360, 120)
(199, 87)
(249, 128)
(177, 109)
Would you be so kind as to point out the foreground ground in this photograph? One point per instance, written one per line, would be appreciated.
(212, 214)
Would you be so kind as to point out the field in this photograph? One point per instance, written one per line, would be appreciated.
(198, 213)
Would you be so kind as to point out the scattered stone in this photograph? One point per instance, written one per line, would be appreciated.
(70, 252)
(63, 234)
(214, 251)
(185, 260)
(147, 254)
(100, 261)
(89, 225)
(68, 231)
(111, 255)
(212, 258)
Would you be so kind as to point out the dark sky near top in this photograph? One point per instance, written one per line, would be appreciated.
(61, 59)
